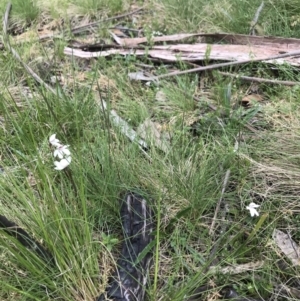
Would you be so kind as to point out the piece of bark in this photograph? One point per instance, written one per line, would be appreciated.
(287, 246)
(200, 52)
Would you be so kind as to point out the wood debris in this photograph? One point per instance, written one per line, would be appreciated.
(287, 246)
(240, 49)
(198, 52)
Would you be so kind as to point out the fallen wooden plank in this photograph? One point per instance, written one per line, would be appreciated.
(197, 52)
(284, 44)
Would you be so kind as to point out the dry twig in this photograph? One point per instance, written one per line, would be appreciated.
(87, 27)
(260, 80)
(83, 28)
(225, 182)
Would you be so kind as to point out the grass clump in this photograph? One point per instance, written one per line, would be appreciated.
(280, 18)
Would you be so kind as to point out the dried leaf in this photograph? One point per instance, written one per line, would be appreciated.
(123, 126)
(116, 38)
(31, 179)
(150, 130)
(160, 96)
(237, 269)
(287, 246)
(213, 296)
(139, 75)
(53, 25)
(118, 32)
(249, 100)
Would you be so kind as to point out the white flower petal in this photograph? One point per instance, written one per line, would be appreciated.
(58, 153)
(53, 141)
(253, 212)
(253, 205)
(65, 150)
(60, 165)
(62, 151)
(252, 209)
(52, 137)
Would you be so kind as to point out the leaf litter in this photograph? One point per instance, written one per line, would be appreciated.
(287, 246)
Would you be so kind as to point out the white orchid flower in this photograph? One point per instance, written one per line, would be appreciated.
(61, 151)
(62, 164)
(252, 208)
(54, 141)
